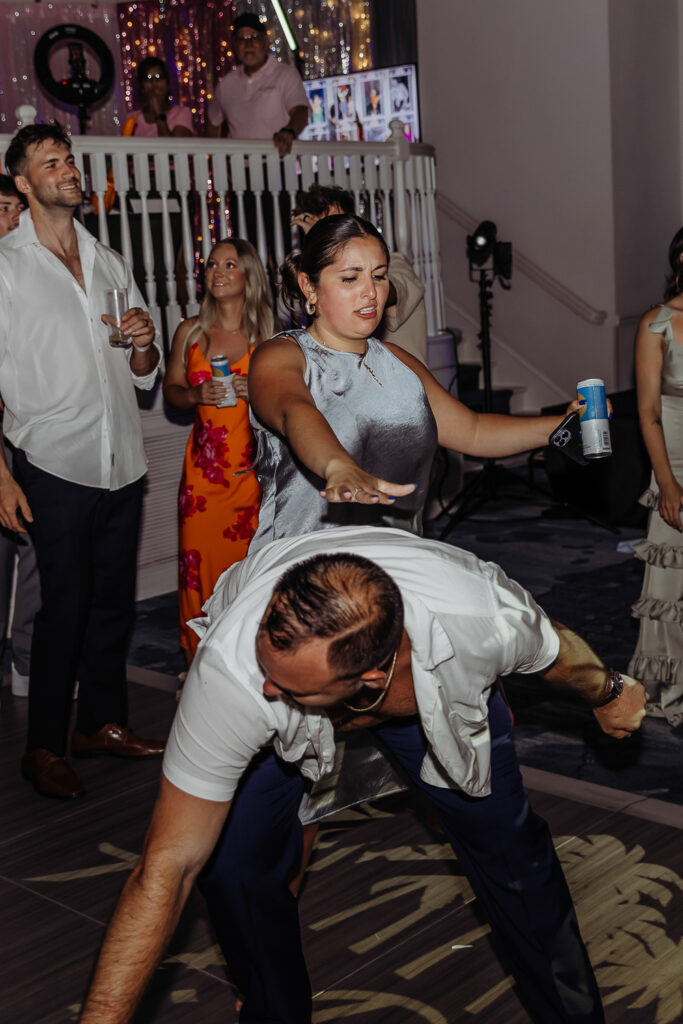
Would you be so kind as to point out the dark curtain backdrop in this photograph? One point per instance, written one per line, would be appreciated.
(394, 32)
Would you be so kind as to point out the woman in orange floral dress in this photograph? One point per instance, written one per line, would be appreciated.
(219, 494)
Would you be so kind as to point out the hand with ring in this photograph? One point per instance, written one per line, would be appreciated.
(138, 324)
(346, 482)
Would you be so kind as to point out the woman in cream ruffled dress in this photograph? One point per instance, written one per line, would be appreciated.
(658, 658)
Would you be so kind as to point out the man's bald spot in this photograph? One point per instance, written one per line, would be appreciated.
(347, 599)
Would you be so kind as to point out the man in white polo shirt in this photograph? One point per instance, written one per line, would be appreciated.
(361, 627)
(262, 98)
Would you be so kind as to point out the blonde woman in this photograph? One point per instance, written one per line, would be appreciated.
(219, 493)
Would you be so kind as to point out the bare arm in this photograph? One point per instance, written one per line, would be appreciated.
(12, 499)
(144, 357)
(182, 834)
(179, 132)
(649, 358)
(176, 387)
(280, 398)
(284, 138)
(213, 131)
(480, 434)
(159, 110)
(579, 670)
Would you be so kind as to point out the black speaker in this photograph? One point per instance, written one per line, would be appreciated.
(606, 488)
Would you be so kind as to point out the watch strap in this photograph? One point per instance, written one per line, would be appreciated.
(616, 681)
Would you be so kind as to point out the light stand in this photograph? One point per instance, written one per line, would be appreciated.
(489, 260)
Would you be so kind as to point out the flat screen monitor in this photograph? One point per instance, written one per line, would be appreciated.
(361, 105)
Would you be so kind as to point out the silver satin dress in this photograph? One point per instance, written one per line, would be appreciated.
(378, 410)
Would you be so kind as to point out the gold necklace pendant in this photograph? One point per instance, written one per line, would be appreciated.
(383, 691)
(371, 372)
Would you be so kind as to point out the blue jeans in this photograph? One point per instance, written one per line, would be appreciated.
(505, 850)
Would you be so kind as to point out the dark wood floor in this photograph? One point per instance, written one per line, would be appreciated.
(392, 933)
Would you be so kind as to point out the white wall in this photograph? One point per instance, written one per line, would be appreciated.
(645, 57)
(536, 109)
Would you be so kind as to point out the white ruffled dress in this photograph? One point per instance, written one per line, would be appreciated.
(658, 658)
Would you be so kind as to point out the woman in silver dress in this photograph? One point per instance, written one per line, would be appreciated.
(342, 419)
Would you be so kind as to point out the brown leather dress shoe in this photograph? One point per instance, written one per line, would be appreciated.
(51, 774)
(117, 740)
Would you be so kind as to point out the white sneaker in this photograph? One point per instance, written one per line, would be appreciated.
(19, 683)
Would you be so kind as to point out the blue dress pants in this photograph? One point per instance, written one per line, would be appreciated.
(505, 850)
(86, 542)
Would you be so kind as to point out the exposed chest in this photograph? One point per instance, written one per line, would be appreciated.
(72, 262)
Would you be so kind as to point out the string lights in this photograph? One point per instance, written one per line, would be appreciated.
(193, 37)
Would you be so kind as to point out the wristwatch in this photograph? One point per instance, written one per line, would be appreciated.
(290, 130)
(616, 681)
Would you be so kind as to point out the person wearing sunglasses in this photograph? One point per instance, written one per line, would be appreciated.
(158, 114)
(262, 97)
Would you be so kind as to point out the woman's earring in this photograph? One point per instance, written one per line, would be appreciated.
(310, 307)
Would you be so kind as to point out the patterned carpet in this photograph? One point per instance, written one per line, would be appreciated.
(392, 933)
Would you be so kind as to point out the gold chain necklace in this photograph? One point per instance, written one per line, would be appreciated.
(363, 363)
(371, 372)
(383, 692)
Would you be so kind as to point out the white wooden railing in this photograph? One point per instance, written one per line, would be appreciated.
(182, 194)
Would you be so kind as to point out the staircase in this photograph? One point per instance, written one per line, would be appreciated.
(462, 379)
(471, 395)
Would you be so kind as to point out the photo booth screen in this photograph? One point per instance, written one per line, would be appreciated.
(361, 105)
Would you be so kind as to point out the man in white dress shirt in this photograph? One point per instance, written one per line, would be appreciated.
(368, 628)
(262, 98)
(72, 420)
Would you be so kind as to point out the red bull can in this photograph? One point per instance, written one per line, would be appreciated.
(220, 368)
(595, 436)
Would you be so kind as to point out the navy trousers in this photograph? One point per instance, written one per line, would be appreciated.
(86, 542)
(504, 848)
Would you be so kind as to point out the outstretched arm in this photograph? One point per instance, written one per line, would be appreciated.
(484, 435)
(182, 834)
(579, 670)
(281, 399)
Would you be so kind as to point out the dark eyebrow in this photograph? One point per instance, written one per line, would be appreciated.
(379, 266)
(69, 158)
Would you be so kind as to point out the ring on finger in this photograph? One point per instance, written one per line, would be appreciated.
(355, 492)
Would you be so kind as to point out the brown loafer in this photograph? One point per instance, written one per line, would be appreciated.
(51, 774)
(117, 740)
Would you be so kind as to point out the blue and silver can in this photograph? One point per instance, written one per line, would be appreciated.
(595, 435)
(220, 368)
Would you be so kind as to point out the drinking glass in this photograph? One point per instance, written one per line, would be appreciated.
(115, 305)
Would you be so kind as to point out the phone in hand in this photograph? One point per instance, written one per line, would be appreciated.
(567, 437)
